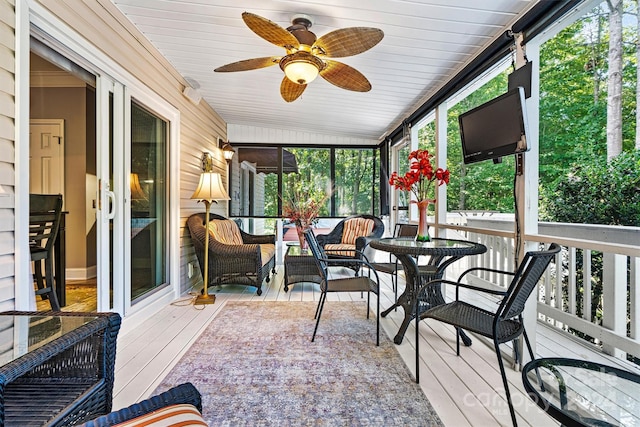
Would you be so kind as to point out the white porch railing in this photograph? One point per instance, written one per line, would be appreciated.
(596, 295)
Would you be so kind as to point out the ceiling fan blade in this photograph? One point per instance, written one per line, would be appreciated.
(249, 64)
(348, 41)
(291, 91)
(270, 31)
(345, 77)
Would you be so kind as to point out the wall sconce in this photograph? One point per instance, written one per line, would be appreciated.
(227, 151)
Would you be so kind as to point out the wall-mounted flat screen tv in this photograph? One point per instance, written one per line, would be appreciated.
(495, 129)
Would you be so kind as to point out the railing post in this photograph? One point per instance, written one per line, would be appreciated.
(614, 298)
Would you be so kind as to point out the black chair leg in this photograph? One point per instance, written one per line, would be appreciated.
(526, 340)
(368, 303)
(378, 318)
(320, 302)
(417, 345)
(320, 306)
(37, 270)
(50, 289)
(506, 384)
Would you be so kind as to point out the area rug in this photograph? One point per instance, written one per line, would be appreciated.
(255, 365)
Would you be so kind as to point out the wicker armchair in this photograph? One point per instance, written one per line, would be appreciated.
(160, 407)
(235, 257)
(349, 238)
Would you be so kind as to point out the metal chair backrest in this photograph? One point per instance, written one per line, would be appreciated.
(45, 212)
(525, 281)
(405, 230)
(319, 255)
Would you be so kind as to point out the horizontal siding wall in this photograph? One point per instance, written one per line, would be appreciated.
(7, 158)
(104, 26)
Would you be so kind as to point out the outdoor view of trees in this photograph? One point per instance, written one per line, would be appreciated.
(588, 127)
(356, 181)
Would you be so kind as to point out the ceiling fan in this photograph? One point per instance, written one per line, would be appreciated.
(306, 56)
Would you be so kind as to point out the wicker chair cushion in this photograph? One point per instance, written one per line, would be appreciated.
(340, 249)
(355, 228)
(267, 251)
(174, 415)
(225, 231)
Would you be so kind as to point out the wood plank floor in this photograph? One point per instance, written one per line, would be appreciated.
(465, 390)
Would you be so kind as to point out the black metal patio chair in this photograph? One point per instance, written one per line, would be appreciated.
(392, 266)
(343, 284)
(503, 325)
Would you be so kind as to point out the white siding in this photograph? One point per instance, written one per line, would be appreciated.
(7, 148)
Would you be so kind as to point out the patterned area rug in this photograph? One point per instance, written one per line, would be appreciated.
(255, 365)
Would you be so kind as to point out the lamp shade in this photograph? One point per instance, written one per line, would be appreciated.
(301, 72)
(301, 67)
(228, 151)
(210, 188)
(136, 190)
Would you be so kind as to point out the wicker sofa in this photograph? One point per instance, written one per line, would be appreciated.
(235, 257)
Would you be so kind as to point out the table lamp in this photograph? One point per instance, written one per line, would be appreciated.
(210, 189)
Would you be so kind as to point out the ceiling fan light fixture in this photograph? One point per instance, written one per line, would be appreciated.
(301, 67)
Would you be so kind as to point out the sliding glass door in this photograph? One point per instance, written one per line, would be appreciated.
(148, 208)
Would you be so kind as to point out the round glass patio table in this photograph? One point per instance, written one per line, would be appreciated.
(441, 253)
(583, 393)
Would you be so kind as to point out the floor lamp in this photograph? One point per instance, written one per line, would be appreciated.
(210, 189)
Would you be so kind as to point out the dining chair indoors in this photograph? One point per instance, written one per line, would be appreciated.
(342, 284)
(45, 213)
(503, 325)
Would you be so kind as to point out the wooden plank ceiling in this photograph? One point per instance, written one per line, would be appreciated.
(425, 43)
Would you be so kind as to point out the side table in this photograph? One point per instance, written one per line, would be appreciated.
(299, 266)
(583, 393)
(57, 368)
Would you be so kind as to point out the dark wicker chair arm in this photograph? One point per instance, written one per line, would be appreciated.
(258, 239)
(183, 393)
(458, 285)
(363, 260)
(489, 270)
(222, 249)
(335, 236)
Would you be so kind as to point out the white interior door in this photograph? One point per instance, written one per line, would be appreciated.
(46, 156)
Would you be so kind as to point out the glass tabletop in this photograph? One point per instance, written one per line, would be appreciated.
(436, 246)
(295, 250)
(582, 393)
(20, 334)
(410, 242)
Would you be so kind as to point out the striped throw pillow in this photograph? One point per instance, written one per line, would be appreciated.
(225, 231)
(183, 415)
(354, 228)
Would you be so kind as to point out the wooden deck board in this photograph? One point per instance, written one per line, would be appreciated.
(465, 390)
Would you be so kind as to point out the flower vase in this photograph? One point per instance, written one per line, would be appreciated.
(423, 227)
(301, 239)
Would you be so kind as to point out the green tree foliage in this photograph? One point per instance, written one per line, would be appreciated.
(597, 192)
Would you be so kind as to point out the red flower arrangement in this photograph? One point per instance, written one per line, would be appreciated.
(418, 180)
(420, 176)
